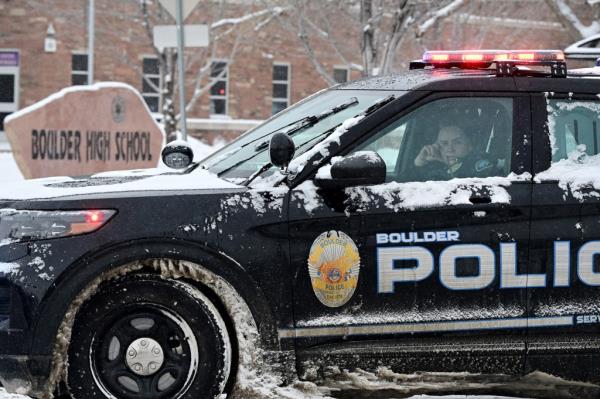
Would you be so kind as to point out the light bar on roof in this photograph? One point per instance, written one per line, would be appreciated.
(467, 57)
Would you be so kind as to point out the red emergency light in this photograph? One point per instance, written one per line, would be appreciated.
(507, 62)
(466, 57)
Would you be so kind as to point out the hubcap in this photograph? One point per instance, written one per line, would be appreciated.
(144, 356)
(145, 351)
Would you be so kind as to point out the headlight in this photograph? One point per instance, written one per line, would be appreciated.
(41, 225)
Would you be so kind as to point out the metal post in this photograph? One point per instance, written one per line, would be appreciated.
(90, 65)
(180, 46)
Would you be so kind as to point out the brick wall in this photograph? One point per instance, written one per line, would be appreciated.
(121, 42)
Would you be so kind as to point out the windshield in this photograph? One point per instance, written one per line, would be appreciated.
(243, 157)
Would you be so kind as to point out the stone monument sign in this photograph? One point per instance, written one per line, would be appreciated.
(83, 130)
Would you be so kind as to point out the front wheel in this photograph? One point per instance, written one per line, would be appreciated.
(145, 337)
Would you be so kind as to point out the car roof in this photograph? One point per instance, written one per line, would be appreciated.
(414, 79)
(457, 79)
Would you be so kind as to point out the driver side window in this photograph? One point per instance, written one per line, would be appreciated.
(447, 138)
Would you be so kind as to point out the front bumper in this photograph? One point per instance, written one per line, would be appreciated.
(24, 375)
(20, 372)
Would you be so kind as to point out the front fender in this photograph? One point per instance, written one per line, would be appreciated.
(81, 273)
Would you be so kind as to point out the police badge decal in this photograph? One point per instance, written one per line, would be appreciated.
(333, 267)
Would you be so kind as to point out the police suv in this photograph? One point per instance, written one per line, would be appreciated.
(444, 219)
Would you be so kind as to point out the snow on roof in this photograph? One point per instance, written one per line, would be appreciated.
(414, 79)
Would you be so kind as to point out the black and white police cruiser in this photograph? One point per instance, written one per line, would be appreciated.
(443, 219)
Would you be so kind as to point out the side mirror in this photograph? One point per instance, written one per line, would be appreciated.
(359, 169)
(177, 154)
(281, 150)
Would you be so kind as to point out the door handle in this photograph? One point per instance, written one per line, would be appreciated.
(484, 199)
(479, 214)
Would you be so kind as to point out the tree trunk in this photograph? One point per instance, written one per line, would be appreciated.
(368, 48)
(403, 12)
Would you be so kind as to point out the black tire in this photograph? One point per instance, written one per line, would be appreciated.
(181, 325)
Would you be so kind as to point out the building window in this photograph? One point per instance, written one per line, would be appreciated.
(79, 69)
(151, 92)
(340, 75)
(9, 86)
(281, 87)
(218, 92)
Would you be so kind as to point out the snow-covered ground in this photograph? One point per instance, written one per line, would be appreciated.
(385, 384)
(4, 395)
(9, 171)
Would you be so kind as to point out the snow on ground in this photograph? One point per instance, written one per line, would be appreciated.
(9, 171)
(4, 395)
(386, 384)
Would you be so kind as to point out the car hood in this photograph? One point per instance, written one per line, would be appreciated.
(145, 180)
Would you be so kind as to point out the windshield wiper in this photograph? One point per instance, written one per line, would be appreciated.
(309, 121)
(368, 111)
(300, 125)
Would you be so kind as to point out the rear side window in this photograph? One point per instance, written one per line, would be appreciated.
(573, 126)
(448, 138)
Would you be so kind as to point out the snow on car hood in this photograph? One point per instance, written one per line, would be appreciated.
(158, 179)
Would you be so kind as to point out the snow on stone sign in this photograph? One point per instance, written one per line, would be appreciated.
(83, 130)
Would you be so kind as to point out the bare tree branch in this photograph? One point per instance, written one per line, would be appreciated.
(441, 13)
(199, 90)
(400, 18)
(576, 29)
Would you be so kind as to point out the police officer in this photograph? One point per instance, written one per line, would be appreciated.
(451, 156)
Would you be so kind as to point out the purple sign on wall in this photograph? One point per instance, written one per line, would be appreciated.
(9, 58)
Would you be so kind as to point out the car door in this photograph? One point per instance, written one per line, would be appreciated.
(430, 253)
(565, 234)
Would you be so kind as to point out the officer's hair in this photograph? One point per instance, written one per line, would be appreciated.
(452, 122)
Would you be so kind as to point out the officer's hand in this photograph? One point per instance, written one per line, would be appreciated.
(428, 154)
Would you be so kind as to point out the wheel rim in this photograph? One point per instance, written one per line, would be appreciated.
(145, 351)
